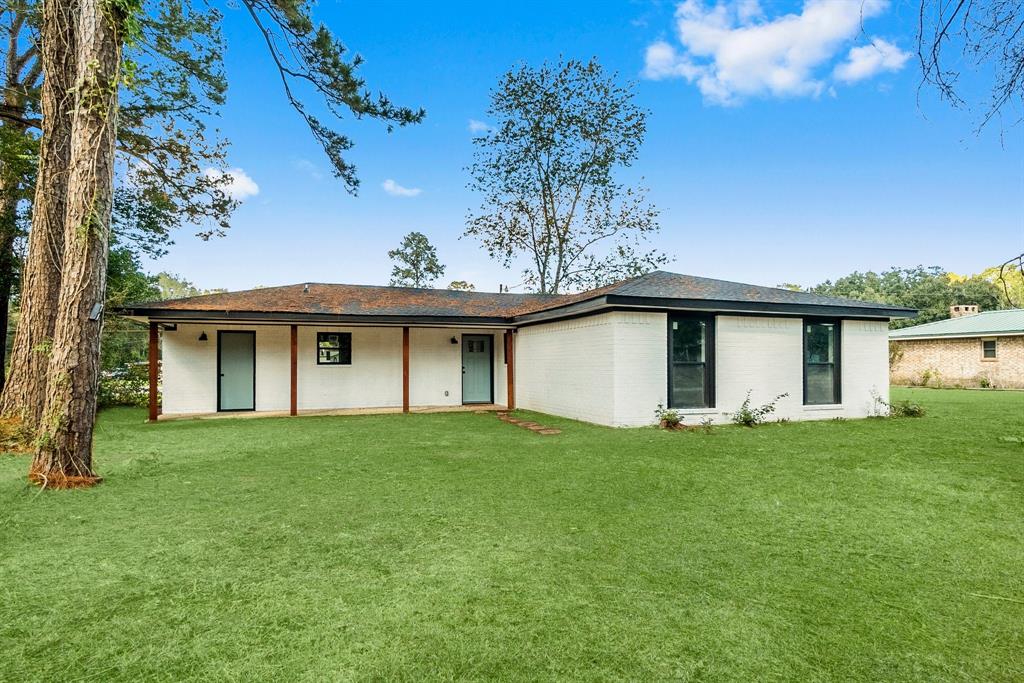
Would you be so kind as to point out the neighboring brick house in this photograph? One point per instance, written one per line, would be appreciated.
(969, 349)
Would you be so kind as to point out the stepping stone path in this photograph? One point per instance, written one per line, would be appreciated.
(526, 424)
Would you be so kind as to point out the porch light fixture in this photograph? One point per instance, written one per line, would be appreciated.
(202, 336)
(454, 340)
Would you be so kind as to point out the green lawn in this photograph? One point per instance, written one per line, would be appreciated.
(456, 546)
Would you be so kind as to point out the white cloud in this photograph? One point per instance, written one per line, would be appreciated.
(867, 60)
(239, 187)
(478, 126)
(731, 51)
(396, 190)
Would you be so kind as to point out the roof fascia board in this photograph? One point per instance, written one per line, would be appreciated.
(168, 315)
(956, 335)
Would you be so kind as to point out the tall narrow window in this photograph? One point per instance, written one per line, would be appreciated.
(334, 348)
(821, 362)
(988, 348)
(691, 361)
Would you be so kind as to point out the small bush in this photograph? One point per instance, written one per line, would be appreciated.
(984, 382)
(931, 377)
(749, 416)
(668, 418)
(904, 408)
(125, 386)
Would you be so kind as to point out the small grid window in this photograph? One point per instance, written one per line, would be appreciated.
(988, 348)
(334, 348)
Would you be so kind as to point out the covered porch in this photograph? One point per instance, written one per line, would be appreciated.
(217, 369)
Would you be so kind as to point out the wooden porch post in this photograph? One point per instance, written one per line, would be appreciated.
(405, 369)
(154, 369)
(294, 406)
(510, 368)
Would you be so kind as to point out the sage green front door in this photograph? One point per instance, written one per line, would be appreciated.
(236, 365)
(476, 369)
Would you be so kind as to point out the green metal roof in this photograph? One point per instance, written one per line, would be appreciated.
(1010, 321)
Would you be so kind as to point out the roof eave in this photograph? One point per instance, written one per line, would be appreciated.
(174, 315)
(755, 307)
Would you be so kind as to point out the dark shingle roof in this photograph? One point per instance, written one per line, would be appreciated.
(330, 299)
(366, 301)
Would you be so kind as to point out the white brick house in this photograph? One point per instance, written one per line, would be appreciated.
(608, 356)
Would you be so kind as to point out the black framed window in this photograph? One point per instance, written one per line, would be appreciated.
(822, 381)
(988, 348)
(334, 348)
(691, 362)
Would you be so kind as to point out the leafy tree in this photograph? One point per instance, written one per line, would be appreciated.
(163, 150)
(416, 262)
(930, 290)
(546, 174)
(172, 286)
(1009, 277)
(90, 43)
(461, 286)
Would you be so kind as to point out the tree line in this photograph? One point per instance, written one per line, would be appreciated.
(930, 290)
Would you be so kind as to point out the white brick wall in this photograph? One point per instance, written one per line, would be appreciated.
(565, 368)
(435, 366)
(190, 368)
(612, 368)
(374, 380)
(609, 369)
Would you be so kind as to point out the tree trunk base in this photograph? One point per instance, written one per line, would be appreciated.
(59, 480)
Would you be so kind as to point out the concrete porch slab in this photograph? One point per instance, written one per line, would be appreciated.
(385, 410)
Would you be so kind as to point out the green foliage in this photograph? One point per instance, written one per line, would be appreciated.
(176, 287)
(1009, 278)
(416, 262)
(124, 386)
(667, 418)
(930, 290)
(308, 55)
(461, 286)
(751, 416)
(547, 177)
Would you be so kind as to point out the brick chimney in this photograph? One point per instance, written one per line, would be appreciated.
(963, 309)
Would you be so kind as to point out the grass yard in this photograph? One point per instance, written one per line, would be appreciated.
(456, 546)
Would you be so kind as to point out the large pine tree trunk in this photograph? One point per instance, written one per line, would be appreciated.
(25, 391)
(64, 448)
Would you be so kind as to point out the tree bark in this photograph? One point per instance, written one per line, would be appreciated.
(64, 447)
(25, 391)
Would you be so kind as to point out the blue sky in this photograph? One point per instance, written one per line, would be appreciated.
(782, 146)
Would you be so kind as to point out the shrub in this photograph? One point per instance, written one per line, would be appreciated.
(931, 377)
(904, 408)
(984, 382)
(125, 386)
(668, 418)
(749, 416)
